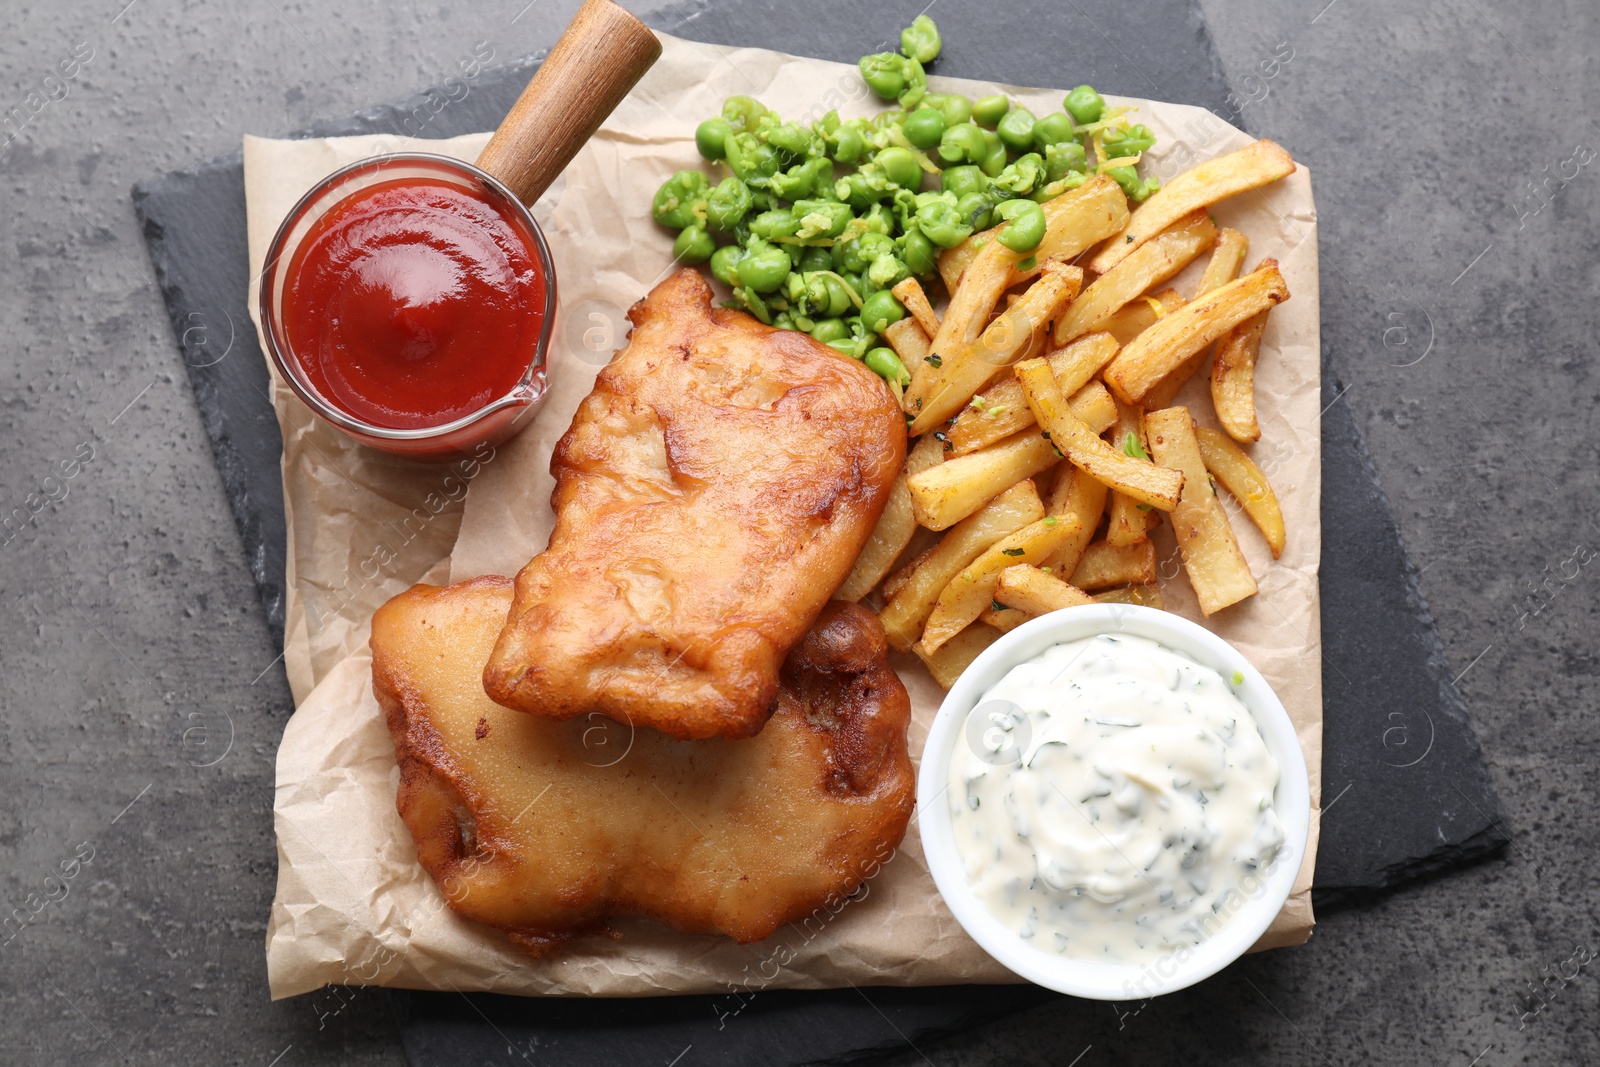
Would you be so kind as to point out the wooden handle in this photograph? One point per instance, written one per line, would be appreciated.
(602, 54)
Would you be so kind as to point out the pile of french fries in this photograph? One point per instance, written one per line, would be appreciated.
(1046, 444)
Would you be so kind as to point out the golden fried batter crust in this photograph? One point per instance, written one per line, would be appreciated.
(546, 828)
(713, 491)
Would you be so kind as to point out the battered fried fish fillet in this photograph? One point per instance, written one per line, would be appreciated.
(712, 492)
(546, 828)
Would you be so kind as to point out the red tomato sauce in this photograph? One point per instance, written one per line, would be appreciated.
(413, 303)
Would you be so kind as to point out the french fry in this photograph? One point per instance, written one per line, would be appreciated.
(1140, 479)
(1126, 524)
(929, 451)
(1106, 565)
(964, 368)
(889, 538)
(1159, 259)
(1147, 595)
(1245, 481)
(1227, 260)
(942, 496)
(1003, 411)
(1184, 333)
(916, 595)
(957, 654)
(1233, 378)
(1214, 180)
(971, 591)
(912, 346)
(1005, 619)
(1036, 592)
(1075, 493)
(909, 292)
(1074, 221)
(1211, 556)
(983, 281)
(1136, 316)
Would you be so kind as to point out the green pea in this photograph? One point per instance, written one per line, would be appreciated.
(1061, 158)
(953, 107)
(848, 144)
(990, 110)
(924, 127)
(976, 208)
(879, 219)
(709, 137)
(784, 321)
(723, 261)
(779, 222)
(681, 199)
(1016, 129)
(751, 160)
(899, 166)
(838, 296)
(1136, 190)
(694, 245)
(886, 365)
(921, 40)
(880, 310)
(942, 223)
(763, 267)
(1084, 105)
(820, 218)
(1026, 225)
(885, 74)
(854, 280)
(885, 272)
(791, 137)
(1054, 128)
(962, 180)
(728, 203)
(813, 259)
(827, 330)
(742, 112)
(963, 143)
(862, 189)
(916, 85)
(995, 161)
(918, 253)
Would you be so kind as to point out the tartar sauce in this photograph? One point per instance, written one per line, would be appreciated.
(1112, 800)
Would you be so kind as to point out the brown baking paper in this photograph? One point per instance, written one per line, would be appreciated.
(352, 904)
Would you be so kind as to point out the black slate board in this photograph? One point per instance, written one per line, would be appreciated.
(1418, 801)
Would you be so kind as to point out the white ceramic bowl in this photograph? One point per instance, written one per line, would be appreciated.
(1095, 979)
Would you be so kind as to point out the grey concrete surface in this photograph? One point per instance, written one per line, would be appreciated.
(141, 720)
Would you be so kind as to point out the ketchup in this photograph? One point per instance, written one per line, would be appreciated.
(413, 303)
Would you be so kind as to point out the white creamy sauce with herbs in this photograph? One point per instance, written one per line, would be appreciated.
(1112, 800)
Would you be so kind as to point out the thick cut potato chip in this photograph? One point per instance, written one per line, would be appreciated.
(1137, 316)
(1211, 556)
(1248, 485)
(1140, 479)
(1160, 259)
(917, 593)
(1003, 619)
(964, 368)
(957, 654)
(965, 317)
(913, 346)
(1036, 592)
(1083, 497)
(1126, 523)
(909, 292)
(1105, 565)
(971, 591)
(1227, 260)
(1074, 221)
(1001, 410)
(1233, 378)
(889, 538)
(1214, 180)
(1147, 595)
(928, 452)
(944, 495)
(1187, 332)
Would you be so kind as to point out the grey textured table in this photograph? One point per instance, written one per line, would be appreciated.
(135, 647)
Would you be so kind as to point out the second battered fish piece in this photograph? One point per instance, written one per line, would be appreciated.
(546, 829)
(711, 494)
